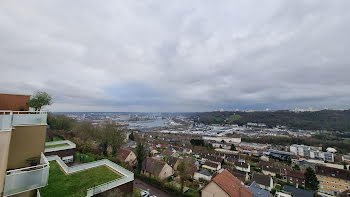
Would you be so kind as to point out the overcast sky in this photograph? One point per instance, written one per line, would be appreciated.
(177, 55)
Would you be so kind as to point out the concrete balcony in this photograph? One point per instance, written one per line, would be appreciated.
(26, 179)
(8, 119)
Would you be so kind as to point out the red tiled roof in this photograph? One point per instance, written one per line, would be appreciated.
(231, 185)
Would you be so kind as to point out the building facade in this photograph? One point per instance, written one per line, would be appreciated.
(332, 180)
(23, 167)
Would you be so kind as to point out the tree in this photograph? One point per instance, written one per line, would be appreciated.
(233, 148)
(131, 136)
(289, 161)
(311, 181)
(111, 135)
(140, 156)
(296, 167)
(186, 169)
(39, 99)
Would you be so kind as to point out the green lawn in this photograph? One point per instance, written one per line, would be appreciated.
(76, 184)
(56, 145)
(233, 118)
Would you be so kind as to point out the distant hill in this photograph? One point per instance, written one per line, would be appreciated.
(332, 120)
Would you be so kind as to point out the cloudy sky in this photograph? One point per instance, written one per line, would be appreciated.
(177, 55)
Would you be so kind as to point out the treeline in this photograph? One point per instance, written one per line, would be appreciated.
(332, 120)
(105, 139)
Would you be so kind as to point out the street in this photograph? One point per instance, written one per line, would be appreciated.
(152, 190)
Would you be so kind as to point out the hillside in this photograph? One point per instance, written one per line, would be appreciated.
(333, 120)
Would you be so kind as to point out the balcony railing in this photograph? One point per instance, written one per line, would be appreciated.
(18, 118)
(28, 178)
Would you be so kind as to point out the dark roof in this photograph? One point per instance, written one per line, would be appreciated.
(172, 161)
(298, 192)
(211, 164)
(296, 174)
(258, 191)
(213, 158)
(153, 166)
(123, 153)
(261, 179)
(237, 173)
(232, 158)
(241, 164)
(333, 172)
(167, 153)
(273, 167)
(205, 172)
(231, 185)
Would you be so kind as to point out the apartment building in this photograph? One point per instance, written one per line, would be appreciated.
(23, 167)
(333, 181)
(311, 152)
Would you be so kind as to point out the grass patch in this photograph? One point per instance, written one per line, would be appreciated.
(56, 145)
(84, 158)
(218, 119)
(77, 184)
(233, 118)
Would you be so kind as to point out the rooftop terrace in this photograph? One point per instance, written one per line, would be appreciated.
(59, 145)
(84, 180)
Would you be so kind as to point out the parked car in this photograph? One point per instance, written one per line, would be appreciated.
(144, 193)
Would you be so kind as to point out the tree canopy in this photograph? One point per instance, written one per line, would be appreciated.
(311, 181)
(39, 99)
(140, 156)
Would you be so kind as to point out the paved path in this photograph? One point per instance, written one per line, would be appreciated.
(152, 190)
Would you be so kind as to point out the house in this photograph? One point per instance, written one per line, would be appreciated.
(211, 165)
(65, 149)
(333, 181)
(283, 194)
(203, 174)
(346, 158)
(127, 156)
(132, 144)
(265, 181)
(215, 159)
(224, 184)
(280, 155)
(167, 153)
(243, 176)
(296, 192)
(157, 168)
(258, 191)
(242, 166)
(295, 177)
(272, 169)
(154, 152)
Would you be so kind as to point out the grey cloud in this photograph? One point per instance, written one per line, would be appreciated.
(186, 55)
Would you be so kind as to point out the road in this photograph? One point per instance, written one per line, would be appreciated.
(152, 190)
